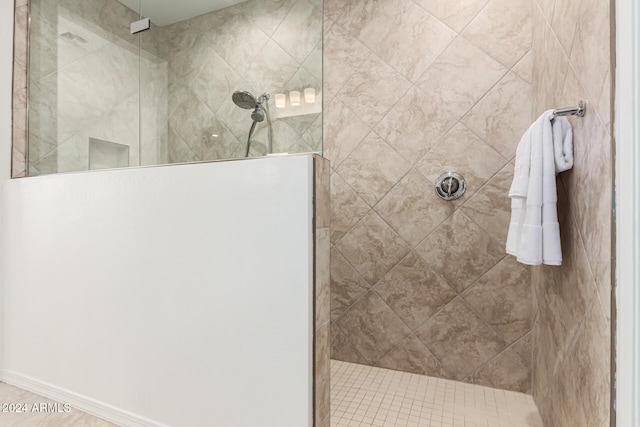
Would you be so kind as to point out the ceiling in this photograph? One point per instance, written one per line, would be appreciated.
(165, 12)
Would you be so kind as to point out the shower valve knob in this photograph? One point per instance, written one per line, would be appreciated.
(450, 186)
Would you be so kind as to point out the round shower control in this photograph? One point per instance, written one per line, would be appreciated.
(450, 186)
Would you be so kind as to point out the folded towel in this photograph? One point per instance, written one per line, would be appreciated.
(544, 150)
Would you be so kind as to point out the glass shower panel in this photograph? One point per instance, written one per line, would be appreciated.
(84, 81)
(265, 49)
(166, 94)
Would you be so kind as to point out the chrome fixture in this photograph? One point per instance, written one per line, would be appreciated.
(260, 106)
(450, 186)
(579, 111)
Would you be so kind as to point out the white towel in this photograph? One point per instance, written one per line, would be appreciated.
(545, 149)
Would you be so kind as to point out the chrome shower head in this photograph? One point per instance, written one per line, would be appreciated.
(244, 99)
(258, 114)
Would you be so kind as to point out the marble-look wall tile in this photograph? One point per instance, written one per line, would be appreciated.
(372, 327)
(503, 30)
(384, 201)
(459, 77)
(413, 291)
(457, 14)
(507, 371)
(343, 131)
(459, 339)
(342, 348)
(372, 247)
(373, 90)
(347, 208)
(502, 298)
(492, 117)
(301, 29)
(463, 152)
(413, 209)
(362, 171)
(347, 286)
(413, 356)
(343, 54)
(489, 208)
(523, 347)
(322, 376)
(417, 25)
(414, 125)
(451, 250)
(571, 336)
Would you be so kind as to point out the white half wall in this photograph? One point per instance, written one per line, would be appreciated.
(177, 295)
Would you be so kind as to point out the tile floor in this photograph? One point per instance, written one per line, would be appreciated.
(366, 396)
(360, 396)
(40, 415)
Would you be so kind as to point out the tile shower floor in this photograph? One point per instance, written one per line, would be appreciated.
(366, 396)
(360, 396)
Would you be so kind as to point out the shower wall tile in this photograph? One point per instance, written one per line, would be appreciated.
(347, 286)
(524, 67)
(413, 356)
(462, 151)
(506, 371)
(490, 209)
(503, 30)
(457, 14)
(343, 54)
(417, 25)
(413, 209)
(373, 90)
(361, 170)
(347, 208)
(571, 337)
(414, 125)
(342, 348)
(300, 30)
(268, 14)
(399, 81)
(321, 338)
(413, 291)
(523, 348)
(492, 118)
(372, 327)
(369, 21)
(451, 250)
(459, 339)
(343, 131)
(502, 298)
(460, 77)
(372, 247)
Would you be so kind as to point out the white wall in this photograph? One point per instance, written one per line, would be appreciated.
(179, 294)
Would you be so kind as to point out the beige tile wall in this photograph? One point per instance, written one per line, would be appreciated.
(322, 247)
(572, 328)
(414, 89)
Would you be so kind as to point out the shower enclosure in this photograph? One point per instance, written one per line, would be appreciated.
(102, 94)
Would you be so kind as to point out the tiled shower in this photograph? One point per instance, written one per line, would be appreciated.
(412, 89)
(423, 285)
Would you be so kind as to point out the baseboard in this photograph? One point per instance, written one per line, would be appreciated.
(82, 403)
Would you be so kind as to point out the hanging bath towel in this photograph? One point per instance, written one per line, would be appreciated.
(545, 150)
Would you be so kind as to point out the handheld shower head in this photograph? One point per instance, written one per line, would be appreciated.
(258, 114)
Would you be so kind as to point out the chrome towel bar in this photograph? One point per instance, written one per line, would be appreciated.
(572, 111)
